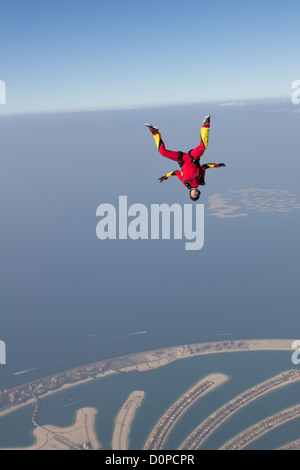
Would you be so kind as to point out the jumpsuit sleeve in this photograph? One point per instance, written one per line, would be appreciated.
(169, 175)
(209, 165)
(177, 173)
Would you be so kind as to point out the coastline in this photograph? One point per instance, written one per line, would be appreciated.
(164, 426)
(261, 428)
(73, 437)
(142, 362)
(51, 392)
(201, 433)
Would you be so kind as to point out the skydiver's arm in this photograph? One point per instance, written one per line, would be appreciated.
(213, 165)
(167, 176)
(172, 173)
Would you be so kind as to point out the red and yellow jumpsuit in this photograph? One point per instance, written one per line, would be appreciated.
(192, 174)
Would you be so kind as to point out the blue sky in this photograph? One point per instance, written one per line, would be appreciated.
(95, 54)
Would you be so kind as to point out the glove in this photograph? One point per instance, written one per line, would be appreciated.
(162, 178)
(219, 165)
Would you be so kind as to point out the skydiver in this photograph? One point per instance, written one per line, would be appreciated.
(192, 174)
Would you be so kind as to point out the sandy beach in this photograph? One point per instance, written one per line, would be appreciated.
(80, 435)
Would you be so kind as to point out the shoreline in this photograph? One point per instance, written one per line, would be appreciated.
(74, 436)
(203, 431)
(156, 439)
(233, 444)
(124, 419)
(149, 360)
(51, 392)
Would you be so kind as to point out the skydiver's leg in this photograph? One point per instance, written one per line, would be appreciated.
(162, 149)
(199, 151)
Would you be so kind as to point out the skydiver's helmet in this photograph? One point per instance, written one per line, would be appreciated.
(195, 198)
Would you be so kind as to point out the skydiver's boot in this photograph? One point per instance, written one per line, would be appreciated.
(206, 122)
(152, 129)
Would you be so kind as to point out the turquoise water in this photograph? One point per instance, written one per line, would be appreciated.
(163, 386)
